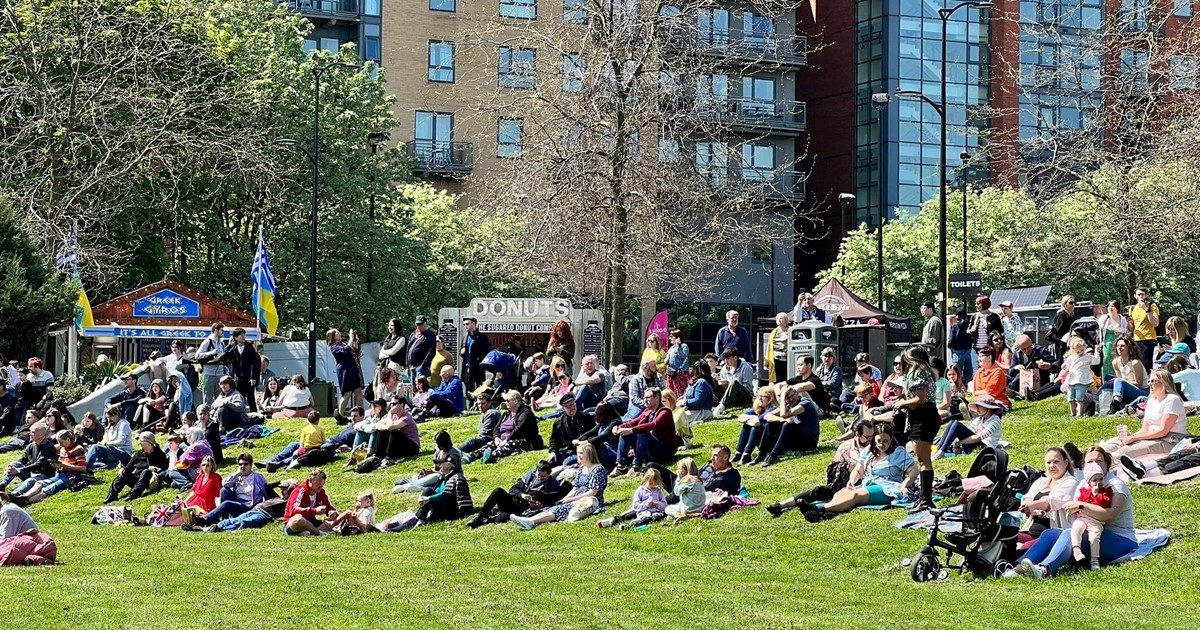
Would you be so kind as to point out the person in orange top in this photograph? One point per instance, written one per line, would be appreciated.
(991, 381)
(205, 491)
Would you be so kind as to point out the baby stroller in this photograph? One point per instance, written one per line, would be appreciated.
(1088, 329)
(987, 541)
(502, 368)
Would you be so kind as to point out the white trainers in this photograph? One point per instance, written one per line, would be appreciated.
(522, 522)
(718, 410)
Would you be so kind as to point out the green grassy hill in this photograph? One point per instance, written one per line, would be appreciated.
(742, 571)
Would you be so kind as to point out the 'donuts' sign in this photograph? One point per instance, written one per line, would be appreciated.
(520, 309)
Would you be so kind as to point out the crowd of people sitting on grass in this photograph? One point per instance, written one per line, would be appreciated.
(619, 423)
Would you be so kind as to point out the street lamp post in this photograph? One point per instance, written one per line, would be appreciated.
(314, 156)
(943, 273)
(881, 101)
(965, 157)
(846, 199)
(373, 140)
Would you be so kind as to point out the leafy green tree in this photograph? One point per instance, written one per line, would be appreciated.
(31, 295)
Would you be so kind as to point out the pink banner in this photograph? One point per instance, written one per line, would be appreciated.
(658, 326)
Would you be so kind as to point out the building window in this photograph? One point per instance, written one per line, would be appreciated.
(509, 140)
(330, 44)
(758, 162)
(668, 149)
(1183, 8)
(573, 67)
(762, 251)
(711, 161)
(713, 25)
(517, 67)
(1134, 69)
(441, 62)
(758, 31)
(442, 5)
(371, 43)
(520, 9)
(433, 135)
(574, 11)
(372, 7)
(1183, 72)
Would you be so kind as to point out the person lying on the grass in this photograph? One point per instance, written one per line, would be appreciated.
(516, 433)
(306, 506)
(1183, 459)
(536, 490)
(984, 429)
(1053, 548)
(837, 473)
(884, 472)
(430, 478)
(71, 463)
(140, 471)
(1044, 500)
(448, 502)
(585, 499)
(239, 492)
(1164, 422)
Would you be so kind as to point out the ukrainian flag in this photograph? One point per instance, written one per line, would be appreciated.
(264, 288)
(83, 308)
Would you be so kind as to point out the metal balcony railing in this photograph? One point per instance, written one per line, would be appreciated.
(735, 45)
(325, 8)
(790, 186)
(757, 115)
(443, 158)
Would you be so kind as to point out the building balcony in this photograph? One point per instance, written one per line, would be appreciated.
(758, 116)
(434, 158)
(783, 186)
(785, 52)
(331, 10)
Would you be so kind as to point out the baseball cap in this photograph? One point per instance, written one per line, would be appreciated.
(421, 319)
(1179, 348)
(1007, 303)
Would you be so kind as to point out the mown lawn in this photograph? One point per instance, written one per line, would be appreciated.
(743, 571)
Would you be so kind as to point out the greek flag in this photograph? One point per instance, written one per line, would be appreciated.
(67, 258)
(264, 288)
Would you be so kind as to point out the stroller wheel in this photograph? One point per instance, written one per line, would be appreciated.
(925, 566)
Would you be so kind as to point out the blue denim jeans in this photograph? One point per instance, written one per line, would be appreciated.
(748, 438)
(1053, 548)
(248, 520)
(955, 431)
(284, 457)
(1126, 392)
(967, 361)
(104, 457)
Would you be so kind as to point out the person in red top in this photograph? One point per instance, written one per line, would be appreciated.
(72, 460)
(307, 502)
(205, 491)
(991, 381)
(652, 434)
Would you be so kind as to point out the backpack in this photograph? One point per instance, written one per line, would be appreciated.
(370, 464)
(960, 339)
(837, 475)
(316, 456)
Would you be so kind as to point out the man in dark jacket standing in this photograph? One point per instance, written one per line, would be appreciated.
(422, 345)
(246, 366)
(475, 347)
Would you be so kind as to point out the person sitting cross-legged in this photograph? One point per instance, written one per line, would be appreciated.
(306, 505)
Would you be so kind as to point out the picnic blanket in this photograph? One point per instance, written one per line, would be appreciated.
(1164, 480)
(252, 432)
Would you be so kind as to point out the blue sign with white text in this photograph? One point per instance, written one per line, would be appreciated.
(166, 303)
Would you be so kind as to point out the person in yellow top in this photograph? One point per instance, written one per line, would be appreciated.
(654, 351)
(1145, 319)
(776, 355)
(441, 357)
(312, 435)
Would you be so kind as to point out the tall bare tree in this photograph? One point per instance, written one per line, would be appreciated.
(633, 161)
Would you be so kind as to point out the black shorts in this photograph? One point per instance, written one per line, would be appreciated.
(924, 422)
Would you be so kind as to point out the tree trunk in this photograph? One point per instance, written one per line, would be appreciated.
(616, 299)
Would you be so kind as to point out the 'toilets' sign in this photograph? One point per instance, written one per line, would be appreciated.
(166, 303)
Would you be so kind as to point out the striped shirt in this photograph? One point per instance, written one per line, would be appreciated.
(988, 429)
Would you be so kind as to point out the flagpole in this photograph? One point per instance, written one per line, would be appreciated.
(257, 297)
(73, 330)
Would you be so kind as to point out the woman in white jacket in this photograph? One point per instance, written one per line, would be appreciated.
(1043, 502)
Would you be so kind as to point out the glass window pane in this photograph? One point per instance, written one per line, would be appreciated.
(371, 7)
(521, 9)
(442, 5)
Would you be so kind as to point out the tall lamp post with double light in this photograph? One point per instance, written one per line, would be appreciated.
(881, 100)
(373, 141)
(846, 200)
(965, 157)
(314, 156)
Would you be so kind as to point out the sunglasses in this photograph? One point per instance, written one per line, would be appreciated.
(243, 464)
